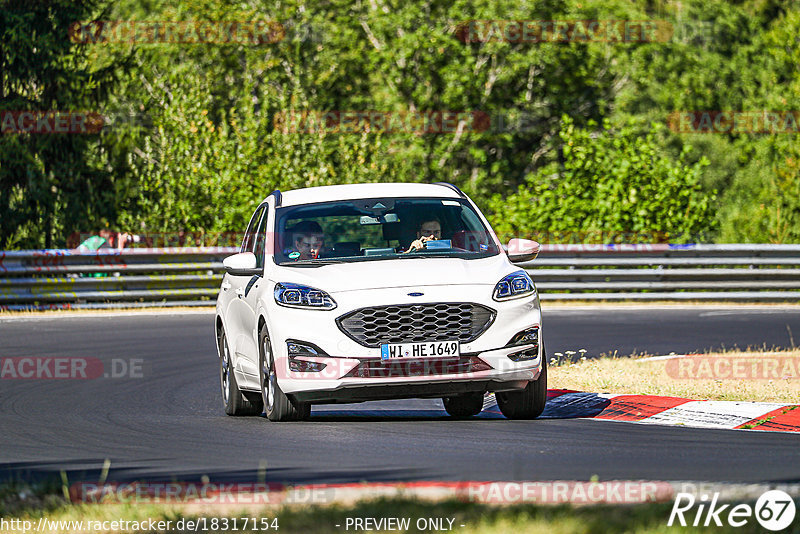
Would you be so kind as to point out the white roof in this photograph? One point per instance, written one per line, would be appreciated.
(328, 193)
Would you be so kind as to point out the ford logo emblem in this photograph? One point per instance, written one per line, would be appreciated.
(415, 294)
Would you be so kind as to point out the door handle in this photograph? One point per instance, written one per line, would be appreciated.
(226, 286)
(240, 292)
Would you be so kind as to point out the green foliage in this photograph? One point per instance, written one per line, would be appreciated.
(49, 182)
(611, 183)
(204, 167)
(763, 204)
(203, 147)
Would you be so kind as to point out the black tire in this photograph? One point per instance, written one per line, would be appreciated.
(233, 399)
(277, 405)
(528, 403)
(465, 405)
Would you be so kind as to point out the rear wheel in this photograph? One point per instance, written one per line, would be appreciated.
(465, 405)
(232, 397)
(528, 403)
(277, 405)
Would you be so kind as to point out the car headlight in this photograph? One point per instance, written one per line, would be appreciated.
(515, 285)
(299, 296)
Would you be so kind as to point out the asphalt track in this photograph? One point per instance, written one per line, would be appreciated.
(168, 424)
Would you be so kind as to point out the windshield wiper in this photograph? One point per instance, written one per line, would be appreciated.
(309, 263)
(427, 255)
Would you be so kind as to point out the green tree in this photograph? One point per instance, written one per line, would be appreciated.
(211, 149)
(50, 183)
(614, 184)
(762, 202)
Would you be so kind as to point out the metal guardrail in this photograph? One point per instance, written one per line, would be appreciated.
(69, 279)
(668, 272)
(55, 279)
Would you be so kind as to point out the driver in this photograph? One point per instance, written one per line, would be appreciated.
(428, 230)
(309, 240)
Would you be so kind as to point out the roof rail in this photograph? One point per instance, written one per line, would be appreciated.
(451, 186)
(278, 197)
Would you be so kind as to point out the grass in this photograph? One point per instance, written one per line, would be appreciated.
(638, 375)
(475, 518)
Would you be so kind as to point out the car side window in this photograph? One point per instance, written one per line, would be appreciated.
(261, 240)
(249, 235)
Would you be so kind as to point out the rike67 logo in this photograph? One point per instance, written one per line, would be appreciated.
(774, 510)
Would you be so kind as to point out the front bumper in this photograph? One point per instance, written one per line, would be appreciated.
(341, 381)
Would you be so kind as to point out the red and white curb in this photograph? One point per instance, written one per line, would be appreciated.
(644, 409)
(651, 409)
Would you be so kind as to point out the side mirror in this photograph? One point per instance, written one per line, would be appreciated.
(521, 250)
(242, 264)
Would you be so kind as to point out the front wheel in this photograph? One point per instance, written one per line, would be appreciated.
(465, 405)
(232, 397)
(277, 405)
(528, 403)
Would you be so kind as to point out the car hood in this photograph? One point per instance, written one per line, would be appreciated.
(381, 274)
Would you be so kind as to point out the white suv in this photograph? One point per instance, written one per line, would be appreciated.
(362, 292)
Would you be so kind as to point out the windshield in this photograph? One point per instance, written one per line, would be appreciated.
(379, 229)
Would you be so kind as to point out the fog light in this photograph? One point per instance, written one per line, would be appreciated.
(303, 348)
(298, 349)
(303, 366)
(525, 355)
(528, 336)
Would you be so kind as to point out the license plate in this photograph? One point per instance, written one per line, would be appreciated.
(430, 349)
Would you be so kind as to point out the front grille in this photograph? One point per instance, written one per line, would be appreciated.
(444, 321)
